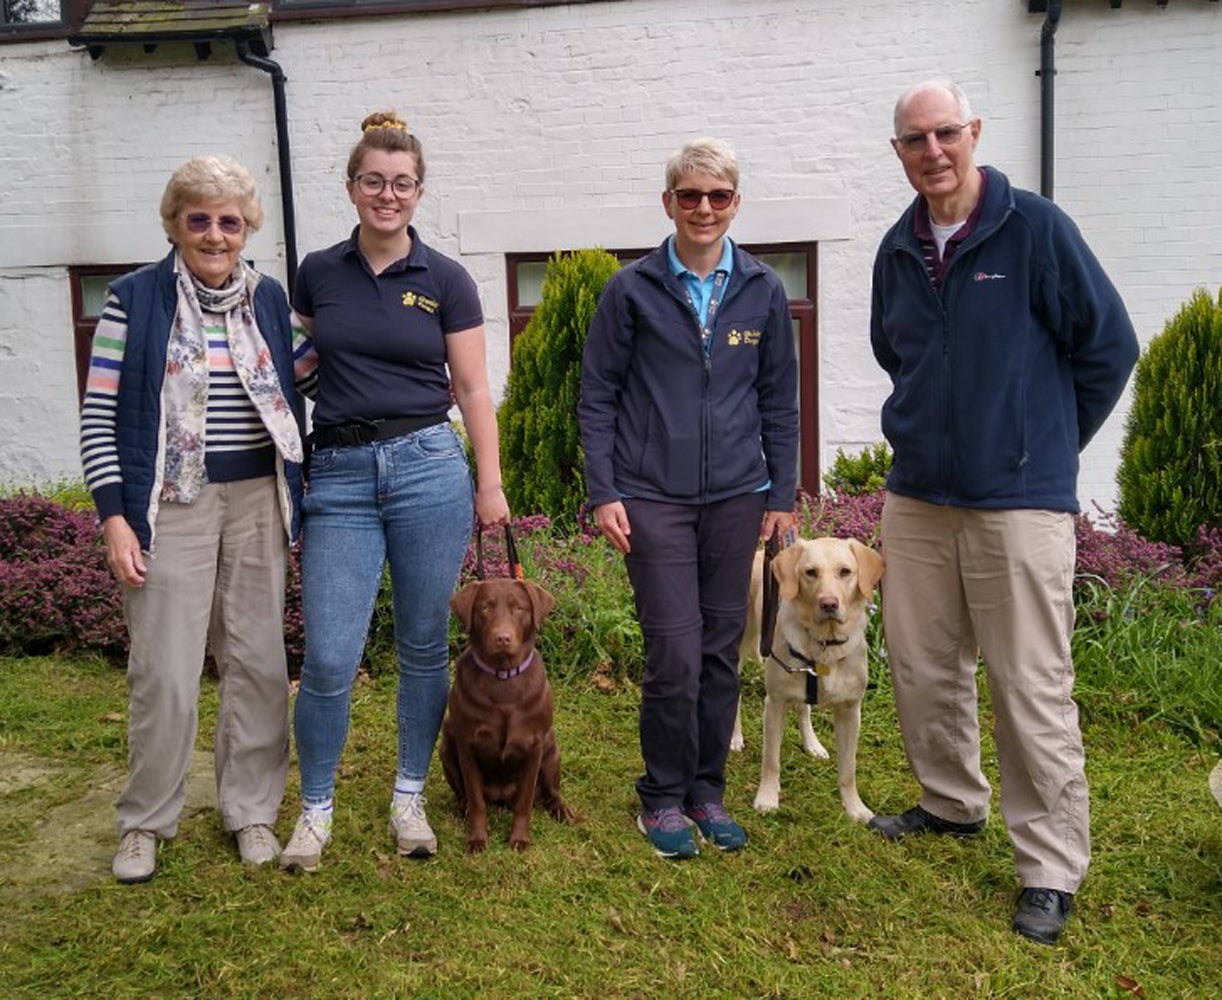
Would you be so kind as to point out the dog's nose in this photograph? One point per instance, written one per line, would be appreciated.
(503, 637)
(828, 604)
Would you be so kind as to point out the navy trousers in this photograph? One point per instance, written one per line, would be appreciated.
(690, 568)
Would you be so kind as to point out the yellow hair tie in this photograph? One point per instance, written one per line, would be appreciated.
(396, 125)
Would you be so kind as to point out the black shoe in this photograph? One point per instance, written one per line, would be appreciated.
(1041, 914)
(917, 820)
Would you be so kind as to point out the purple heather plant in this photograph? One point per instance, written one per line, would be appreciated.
(56, 592)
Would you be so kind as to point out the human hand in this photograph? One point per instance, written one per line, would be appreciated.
(778, 519)
(612, 520)
(123, 554)
(491, 507)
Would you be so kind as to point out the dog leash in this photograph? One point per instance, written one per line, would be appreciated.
(511, 554)
(771, 594)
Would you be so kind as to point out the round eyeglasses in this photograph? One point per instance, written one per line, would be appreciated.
(373, 185)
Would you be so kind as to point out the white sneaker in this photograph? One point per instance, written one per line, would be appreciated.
(136, 859)
(257, 844)
(410, 826)
(310, 836)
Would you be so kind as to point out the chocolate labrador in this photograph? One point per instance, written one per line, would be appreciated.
(498, 745)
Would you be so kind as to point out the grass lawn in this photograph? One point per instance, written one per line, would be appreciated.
(816, 906)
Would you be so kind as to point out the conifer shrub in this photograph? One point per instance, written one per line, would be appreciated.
(1170, 474)
(864, 472)
(541, 457)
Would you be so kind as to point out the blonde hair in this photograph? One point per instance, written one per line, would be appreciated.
(385, 130)
(703, 156)
(210, 178)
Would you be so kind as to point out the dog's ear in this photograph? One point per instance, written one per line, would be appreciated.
(785, 569)
(463, 603)
(869, 567)
(541, 602)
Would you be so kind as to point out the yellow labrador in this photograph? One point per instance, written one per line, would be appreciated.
(818, 652)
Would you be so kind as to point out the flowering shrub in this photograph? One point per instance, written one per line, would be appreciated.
(56, 592)
(1111, 551)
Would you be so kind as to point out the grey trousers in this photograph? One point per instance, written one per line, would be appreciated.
(217, 580)
(960, 582)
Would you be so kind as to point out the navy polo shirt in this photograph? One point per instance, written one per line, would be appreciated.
(381, 337)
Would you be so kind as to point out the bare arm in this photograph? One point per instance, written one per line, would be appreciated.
(466, 359)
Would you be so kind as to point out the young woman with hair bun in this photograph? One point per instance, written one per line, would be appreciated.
(399, 333)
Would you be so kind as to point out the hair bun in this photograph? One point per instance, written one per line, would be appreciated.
(384, 119)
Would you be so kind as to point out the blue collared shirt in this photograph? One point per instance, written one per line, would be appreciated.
(701, 289)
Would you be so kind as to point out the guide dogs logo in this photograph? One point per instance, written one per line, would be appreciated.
(411, 298)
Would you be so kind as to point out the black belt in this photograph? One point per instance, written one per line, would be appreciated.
(368, 431)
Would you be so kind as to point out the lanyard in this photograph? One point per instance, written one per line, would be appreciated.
(706, 325)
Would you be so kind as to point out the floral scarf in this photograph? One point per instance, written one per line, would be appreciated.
(185, 390)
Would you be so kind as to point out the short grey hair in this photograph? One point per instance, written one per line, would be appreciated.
(948, 86)
(210, 178)
(703, 156)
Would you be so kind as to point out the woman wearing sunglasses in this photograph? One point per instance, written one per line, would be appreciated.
(397, 327)
(690, 427)
(192, 448)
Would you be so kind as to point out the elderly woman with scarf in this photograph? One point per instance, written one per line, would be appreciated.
(191, 445)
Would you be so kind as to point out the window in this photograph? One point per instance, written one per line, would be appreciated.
(26, 20)
(293, 9)
(89, 284)
(797, 266)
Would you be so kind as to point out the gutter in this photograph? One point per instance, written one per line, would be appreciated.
(1047, 74)
(272, 67)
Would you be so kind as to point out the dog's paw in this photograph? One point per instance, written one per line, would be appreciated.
(476, 845)
(766, 803)
(862, 816)
(519, 843)
(816, 750)
(736, 743)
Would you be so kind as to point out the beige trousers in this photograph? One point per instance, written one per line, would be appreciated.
(217, 580)
(963, 582)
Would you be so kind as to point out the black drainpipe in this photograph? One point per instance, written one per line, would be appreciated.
(1047, 73)
(282, 145)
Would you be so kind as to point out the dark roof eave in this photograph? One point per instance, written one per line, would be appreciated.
(259, 39)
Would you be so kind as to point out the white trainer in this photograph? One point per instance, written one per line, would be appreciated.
(410, 826)
(310, 836)
(257, 844)
(136, 859)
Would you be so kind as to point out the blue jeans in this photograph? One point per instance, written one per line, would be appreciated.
(408, 501)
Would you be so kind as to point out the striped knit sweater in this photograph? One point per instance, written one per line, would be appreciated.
(236, 444)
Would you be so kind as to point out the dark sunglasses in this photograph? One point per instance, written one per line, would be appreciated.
(689, 198)
(201, 222)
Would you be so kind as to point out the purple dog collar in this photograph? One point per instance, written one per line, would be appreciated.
(506, 674)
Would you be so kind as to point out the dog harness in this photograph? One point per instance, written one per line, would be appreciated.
(508, 672)
(812, 668)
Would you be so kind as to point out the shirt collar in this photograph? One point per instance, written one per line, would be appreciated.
(923, 225)
(414, 258)
(725, 264)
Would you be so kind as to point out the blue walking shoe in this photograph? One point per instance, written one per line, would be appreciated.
(669, 832)
(717, 827)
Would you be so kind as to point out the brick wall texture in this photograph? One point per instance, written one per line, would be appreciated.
(577, 108)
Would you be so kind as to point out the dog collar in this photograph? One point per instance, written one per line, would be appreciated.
(508, 672)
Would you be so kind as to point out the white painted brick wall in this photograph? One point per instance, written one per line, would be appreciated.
(576, 109)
